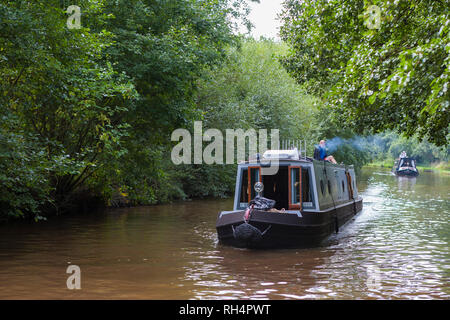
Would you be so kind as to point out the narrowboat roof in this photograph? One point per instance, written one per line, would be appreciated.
(288, 157)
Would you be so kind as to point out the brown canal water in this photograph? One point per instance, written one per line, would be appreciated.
(398, 247)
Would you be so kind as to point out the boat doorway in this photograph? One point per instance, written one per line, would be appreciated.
(276, 187)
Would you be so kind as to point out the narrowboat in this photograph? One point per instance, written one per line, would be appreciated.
(302, 204)
(405, 167)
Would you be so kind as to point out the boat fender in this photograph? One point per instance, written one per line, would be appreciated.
(248, 233)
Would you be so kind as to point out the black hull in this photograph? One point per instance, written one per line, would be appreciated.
(407, 173)
(285, 230)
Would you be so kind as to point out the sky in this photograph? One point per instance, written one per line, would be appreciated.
(263, 16)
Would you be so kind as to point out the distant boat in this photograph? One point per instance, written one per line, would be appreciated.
(405, 167)
(304, 202)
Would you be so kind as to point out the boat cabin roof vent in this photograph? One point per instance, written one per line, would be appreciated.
(281, 154)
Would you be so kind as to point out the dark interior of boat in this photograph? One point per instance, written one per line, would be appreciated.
(276, 187)
(306, 191)
(406, 163)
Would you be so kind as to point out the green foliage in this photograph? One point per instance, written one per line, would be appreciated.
(89, 110)
(87, 113)
(24, 186)
(206, 180)
(165, 47)
(252, 90)
(249, 90)
(351, 155)
(394, 77)
(389, 145)
(66, 104)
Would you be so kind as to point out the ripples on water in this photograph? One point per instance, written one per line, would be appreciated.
(397, 248)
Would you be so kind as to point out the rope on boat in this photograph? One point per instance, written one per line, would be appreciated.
(267, 229)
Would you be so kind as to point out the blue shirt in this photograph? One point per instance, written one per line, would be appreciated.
(322, 152)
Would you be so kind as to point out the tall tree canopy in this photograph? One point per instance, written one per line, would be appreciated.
(88, 109)
(374, 76)
(61, 105)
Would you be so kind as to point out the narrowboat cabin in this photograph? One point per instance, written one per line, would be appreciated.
(405, 167)
(299, 206)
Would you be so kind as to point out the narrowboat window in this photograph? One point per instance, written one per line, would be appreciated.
(295, 185)
(322, 187)
(329, 187)
(343, 186)
(306, 188)
(244, 187)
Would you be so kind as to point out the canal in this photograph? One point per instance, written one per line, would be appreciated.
(398, 247)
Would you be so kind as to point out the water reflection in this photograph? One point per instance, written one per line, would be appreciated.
(262, 274)
(406, 183)
(397, 248)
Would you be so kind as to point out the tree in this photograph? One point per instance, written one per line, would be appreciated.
(249, 90)
(64, 101)
(252, 90)
(392, 77)
(89, 111)
(166, 48)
